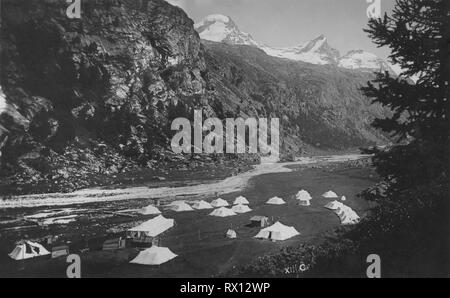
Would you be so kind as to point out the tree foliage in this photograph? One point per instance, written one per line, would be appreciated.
(417, 33)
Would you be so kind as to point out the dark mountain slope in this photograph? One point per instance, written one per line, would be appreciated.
(320, 105)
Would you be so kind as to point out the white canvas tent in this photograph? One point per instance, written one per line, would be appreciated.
(276, 201)
(277, 232)
(231, 234)
(304, 198)
(347, 215)
(241, 209)
(150, 210)
(241, 201)
(27, 250)
(223, 212)
(303, 195)
(181, 207)
(219, 203)
(202, 205)
(335, 205)
(153, 227)
(330, 195)
(343, 199)
(154, 256)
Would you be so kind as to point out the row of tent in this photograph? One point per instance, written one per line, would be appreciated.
(227, 212)
(182, 206)
(240, 205)
(302, 196)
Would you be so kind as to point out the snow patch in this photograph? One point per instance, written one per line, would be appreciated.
(2, 101)
(220, 28)
(297, 55)
(217, 32)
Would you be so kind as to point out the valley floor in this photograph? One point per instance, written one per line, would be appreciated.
(198, 239)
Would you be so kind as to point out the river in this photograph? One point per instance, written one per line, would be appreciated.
(229, 185)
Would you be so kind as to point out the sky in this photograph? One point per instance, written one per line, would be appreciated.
(284, 23)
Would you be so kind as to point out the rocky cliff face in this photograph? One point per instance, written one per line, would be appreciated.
(95, 93)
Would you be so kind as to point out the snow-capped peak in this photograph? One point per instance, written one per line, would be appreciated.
(217, 18)
(316, 51)
(362, 60)
(220, 28)
(315, 44)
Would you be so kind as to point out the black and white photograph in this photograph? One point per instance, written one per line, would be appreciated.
(221, 140)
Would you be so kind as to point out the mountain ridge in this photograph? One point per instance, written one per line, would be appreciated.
(317, 51)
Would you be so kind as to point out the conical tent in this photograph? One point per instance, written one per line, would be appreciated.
(276, 201)
(181, 207)
(277, 232)
(223, 212)
(241, 201)
(231, 234)
(27, 250)
(335, 205)
(241, 209)
(303, 195)
(154, 256)
(347, 215)
(202, 205)
(150, 210)
(219, 203)
(330, 195)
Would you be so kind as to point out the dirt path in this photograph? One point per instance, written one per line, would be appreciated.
(226, 186)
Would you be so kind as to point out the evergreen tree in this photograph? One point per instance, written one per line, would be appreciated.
(414, 200)
(418, 35)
